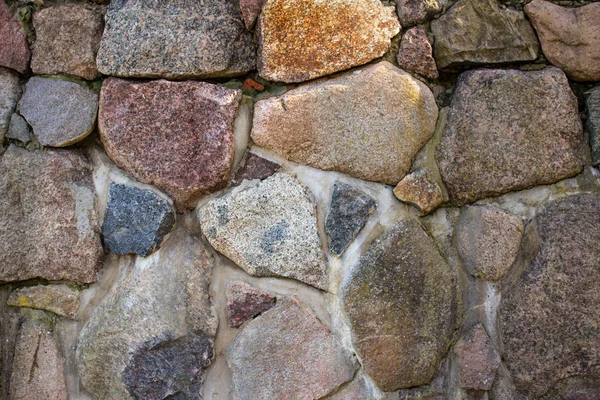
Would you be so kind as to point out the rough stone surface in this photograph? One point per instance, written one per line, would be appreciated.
(136, 220)
(48, 225)
(254, 167)
(478, 359)
(549, 318)
(415, 54)
(413, 12)
(419, 188)
(355, 390)
(401, 300)
(67, 40)
(269, 229)
(10, 92)
(488, 240)
(368, 123)
(509, 130)
(200, 39)
(592, 102)
(245, 302)
(59, 299)
(14, 52)
(60, 112)
(175, 135)
(250, 11)
(302, 40)
(349, 211)
(18, 129)
(152, 336)
(570, 37)
(287, 353)
(481, 32)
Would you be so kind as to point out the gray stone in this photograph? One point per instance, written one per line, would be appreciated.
(413, 12)
(349, 211)
(18, 129)
(401, 299)
(269, 229)
(10, 92)
(171, 39)
(356, 390)
(60, 112)
(245, 302)
(478, 359)
(592, 102)
(59, 299)
(136, 220)
(286, 354)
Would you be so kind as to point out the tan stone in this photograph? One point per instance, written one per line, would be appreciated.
(420, 189)
(59, 299)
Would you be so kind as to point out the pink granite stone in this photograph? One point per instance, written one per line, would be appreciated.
(14, 51)
(415, 54)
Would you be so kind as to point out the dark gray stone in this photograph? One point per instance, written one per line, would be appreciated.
(254, 167)
(18, 129)
(136, 220)
(593, 123)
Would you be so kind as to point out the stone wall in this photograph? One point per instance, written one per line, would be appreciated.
(283, 199)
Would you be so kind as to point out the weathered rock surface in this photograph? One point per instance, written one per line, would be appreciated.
(200, 39)
(59, 299)
(287, 353)
(14, 52)
(10, 92)
(67, 40)
(419, 188)
(48, 225)
(478, 359)
(302, 40)
(175, 135)
(254, 167)
(413, 12)
(415, 54)
(136, 220)
(570, 37)
(152, 336)
(250, 11)
(592, 102)
(509, 130)
(18, 129)
(60, 112)
(488, 240)
(401, 301)
(368, 123)
(349, 211)
(245, 302)
(269, 229)
(355, 390)
(482, 32)
(549, 319)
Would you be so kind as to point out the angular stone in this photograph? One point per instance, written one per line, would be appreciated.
(250, 11)
(302, 40)
(349, 211)
(549, 319)
(175, 135)
(136, 220)
(48, 225)
(254, 167)
(10, 92)
(245, 302)
(59, 299)
(415, 54)
(355, 390)
(482, 32)
(369, 123)
(570, 37)
(152, 336)
(488, 240)
(269, 229)
(401, 301)
(413, 12)
(67, 40)
(14, 52)
(478, 359)
(18, 129)
(419, 188)
(61, 113)
(174, 39)
(592, 102)
(287, 353)
(509, 130)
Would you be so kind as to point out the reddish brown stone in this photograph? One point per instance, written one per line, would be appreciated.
(245, 302)
(420, 189)
(250, 11)
(415, 54)
(255, 167)
(412, 12)
(14, 51)
(175, 135)
(251, 84)
(478, 359)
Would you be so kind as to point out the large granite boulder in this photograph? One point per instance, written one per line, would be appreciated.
(14, 52)
(10, 92)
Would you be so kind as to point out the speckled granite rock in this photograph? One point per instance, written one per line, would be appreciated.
(419, 188)
(355, 390)
(191, 153)
(592, 102)
(14, 52)
(415, 54)
(168, 39)
(413, 12)
(67, 40)
(509, 130)
(368, 123)
(478, 359)
(59, 299)
(245, 302)
(250, 11)
(18, 129)
(254, 167)
(302, 40)
(10, 92)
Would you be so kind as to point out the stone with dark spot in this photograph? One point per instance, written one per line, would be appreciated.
(478, 359)
(57, 298)
(419, 188)
(245, 302)
(254, 167)
(14, 52)
(415, 54)
(250, 11)
(10, 92)
(592, 101)
(413, 12)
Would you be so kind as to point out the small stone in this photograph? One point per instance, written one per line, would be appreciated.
(250, 11)
(10, 92)
(136, 220)
(67, 40)
(355, 390)
(368, 123)
(302, 40)
(349, 211)
(245, 302)
(14, 52)
(251, 84)
(592, 102)
(415, 54)
(420, 189)
(191, 39)
(61, 113)
(269, 229)
(482, 32)
(175, 135)
(59, 299)
(287, 353)
(509, 130)
(570, 37)
(18, 129)
(254, 167)
(478, 359)
(413, 12)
